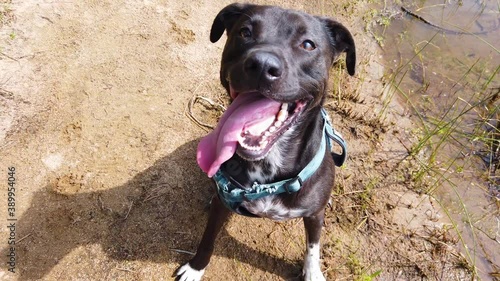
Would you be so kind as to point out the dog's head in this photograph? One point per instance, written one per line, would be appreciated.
(283, 54)
(275, 67)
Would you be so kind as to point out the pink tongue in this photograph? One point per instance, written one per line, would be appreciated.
(250, 112)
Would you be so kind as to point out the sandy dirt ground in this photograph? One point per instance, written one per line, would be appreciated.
(93, 98)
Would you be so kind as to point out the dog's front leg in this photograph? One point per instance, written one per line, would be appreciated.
(312, 268)
(194, 269)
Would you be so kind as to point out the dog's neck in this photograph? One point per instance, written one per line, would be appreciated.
(289, 155)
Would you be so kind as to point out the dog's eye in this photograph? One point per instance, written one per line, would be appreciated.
(245, 32)
(308, 45)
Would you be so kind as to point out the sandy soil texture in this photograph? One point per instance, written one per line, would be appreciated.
(93, 98)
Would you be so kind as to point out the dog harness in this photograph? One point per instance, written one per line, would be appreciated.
(233, 193)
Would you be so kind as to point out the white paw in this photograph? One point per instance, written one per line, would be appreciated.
(187, 273)
(312, 269)
(313, 274)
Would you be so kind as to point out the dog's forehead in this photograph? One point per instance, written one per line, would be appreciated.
(287, 22)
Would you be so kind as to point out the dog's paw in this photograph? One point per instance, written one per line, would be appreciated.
(313, 274)
(187, 273)
(312, 268)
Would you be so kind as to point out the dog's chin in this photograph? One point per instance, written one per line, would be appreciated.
(255, 148)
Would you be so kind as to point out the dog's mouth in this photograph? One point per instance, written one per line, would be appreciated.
(250, 127)
(259, 135)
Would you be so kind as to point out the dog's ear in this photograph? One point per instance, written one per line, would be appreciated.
(225, 20)
(342, 41)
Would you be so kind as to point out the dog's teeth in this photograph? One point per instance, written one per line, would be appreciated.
(278, 123)
(272, 129)
(248, 147)
(282, 115)
(284, 106)
(267, 134)
(263, 144)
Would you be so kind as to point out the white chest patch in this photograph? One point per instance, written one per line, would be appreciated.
(272, 208)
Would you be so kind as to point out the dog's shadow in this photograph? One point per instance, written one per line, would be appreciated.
(159, 210)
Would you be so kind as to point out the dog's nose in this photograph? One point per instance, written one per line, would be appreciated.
(264, 65)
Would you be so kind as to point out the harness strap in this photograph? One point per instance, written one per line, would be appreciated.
(334, 135)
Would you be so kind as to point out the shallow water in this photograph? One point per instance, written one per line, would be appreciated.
(448, 78)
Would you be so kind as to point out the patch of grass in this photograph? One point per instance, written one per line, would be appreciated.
(369, 277)
(6, 13)
(365, 197)
(358, 270)
(377, 21)
(456, 136)
(354, 264)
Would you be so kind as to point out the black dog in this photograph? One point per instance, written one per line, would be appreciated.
(270, 153)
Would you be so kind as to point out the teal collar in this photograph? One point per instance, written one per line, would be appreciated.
(233, 194)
